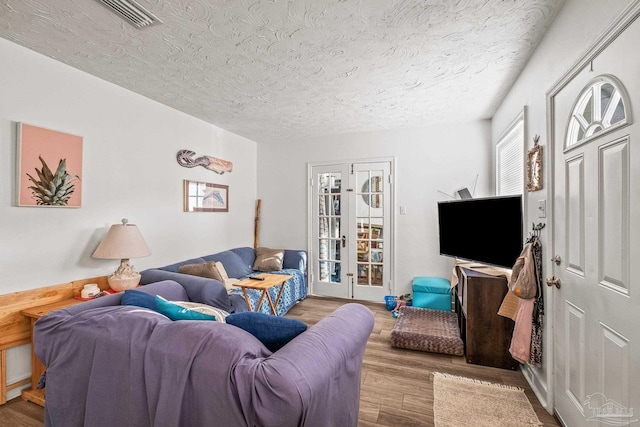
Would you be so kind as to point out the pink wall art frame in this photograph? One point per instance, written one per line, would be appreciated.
(49, 168)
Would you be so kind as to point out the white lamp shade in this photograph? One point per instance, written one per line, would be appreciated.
(122, 241)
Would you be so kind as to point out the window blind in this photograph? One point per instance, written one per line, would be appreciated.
(510, 161)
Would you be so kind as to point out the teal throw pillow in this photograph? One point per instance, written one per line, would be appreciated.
(273, 331)
(175, 311)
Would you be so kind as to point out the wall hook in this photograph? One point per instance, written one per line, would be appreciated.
(536, 139)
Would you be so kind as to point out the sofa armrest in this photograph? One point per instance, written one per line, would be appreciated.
(336, 344)
(295, 259)
(166, 288)
(199, 289)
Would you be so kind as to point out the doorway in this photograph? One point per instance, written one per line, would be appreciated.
(350, 213)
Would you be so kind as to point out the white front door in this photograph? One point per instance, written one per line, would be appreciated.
(596, 234)
(350, 248)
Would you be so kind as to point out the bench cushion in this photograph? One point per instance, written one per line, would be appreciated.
(432, 292)
(432, 285)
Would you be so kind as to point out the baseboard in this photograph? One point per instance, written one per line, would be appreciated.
(539, 387)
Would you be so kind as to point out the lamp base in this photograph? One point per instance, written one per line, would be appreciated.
(125, 277)
(123, 283)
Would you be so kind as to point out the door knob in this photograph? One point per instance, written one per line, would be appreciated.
(344, 241)
(553, 281)
(556, 259)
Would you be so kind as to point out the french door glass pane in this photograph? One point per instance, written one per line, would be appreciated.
(329, 255)
(369, 233)
(376, 275)
(335, 228)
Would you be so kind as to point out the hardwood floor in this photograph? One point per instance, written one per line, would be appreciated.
(20, 413)
(397, 385)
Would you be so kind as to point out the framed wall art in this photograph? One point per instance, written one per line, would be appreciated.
(205, 197)
(49, 168)
(534, 167)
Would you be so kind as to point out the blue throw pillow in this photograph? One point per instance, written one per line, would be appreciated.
(273, 331)
(174, 311)
(139, 299)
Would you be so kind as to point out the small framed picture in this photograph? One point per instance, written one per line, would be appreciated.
(205, 197)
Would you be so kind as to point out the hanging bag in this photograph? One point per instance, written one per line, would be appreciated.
(523, 276)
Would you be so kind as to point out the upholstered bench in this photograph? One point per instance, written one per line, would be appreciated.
(423, 329)
(432, 292)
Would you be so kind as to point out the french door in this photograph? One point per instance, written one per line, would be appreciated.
(350, 249)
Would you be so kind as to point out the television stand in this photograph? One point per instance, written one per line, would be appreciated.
(486, 335)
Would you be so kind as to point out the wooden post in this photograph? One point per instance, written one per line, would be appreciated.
(257, 225)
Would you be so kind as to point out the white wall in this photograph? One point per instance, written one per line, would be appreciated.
(575, 29)
(129, 170)
(445, 158)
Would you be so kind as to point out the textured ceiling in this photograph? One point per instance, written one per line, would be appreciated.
(271, 69)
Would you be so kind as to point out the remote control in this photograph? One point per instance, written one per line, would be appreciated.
(256, 278)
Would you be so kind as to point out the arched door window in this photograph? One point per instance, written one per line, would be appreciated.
(602, 106)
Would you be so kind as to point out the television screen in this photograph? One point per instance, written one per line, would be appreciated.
(487, 230)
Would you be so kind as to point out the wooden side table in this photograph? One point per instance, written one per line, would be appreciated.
(270, 280)
(37, 368)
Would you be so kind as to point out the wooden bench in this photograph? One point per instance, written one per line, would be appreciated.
(15, 328)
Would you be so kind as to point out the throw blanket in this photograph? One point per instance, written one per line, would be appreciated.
(127, 366)
(482, 268)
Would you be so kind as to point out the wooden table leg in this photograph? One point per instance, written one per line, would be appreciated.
(264, 292)
(246, 298)
(3, 376)
(273, 305)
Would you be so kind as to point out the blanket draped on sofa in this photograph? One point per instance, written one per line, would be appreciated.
(114, 365)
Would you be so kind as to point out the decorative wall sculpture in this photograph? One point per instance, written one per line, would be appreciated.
(534, 166)
(219, 166)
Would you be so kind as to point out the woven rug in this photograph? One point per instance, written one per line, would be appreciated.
(460, 402)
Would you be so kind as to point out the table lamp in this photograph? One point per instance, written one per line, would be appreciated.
(123, 241)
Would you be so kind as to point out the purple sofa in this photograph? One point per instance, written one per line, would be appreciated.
(117, 365)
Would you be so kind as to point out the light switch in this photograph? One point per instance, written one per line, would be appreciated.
(542, 208)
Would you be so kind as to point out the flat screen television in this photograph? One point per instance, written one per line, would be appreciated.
(486, 230)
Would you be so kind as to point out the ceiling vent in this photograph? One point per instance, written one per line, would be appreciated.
(132, 12)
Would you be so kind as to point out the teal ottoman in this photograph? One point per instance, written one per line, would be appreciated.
(432, 292)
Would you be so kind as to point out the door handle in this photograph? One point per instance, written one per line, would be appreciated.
(556, 259)
(553, 281)
(344, 241)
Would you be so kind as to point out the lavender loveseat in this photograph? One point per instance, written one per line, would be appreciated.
(238, 263)
(112, 365)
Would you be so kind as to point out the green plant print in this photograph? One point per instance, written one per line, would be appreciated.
(52, 189)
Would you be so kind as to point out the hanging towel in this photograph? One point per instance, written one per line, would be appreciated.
(520, 348)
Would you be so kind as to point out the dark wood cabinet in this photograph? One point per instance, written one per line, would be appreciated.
(486, 335)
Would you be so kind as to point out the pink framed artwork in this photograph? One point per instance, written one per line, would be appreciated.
(49, 168)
